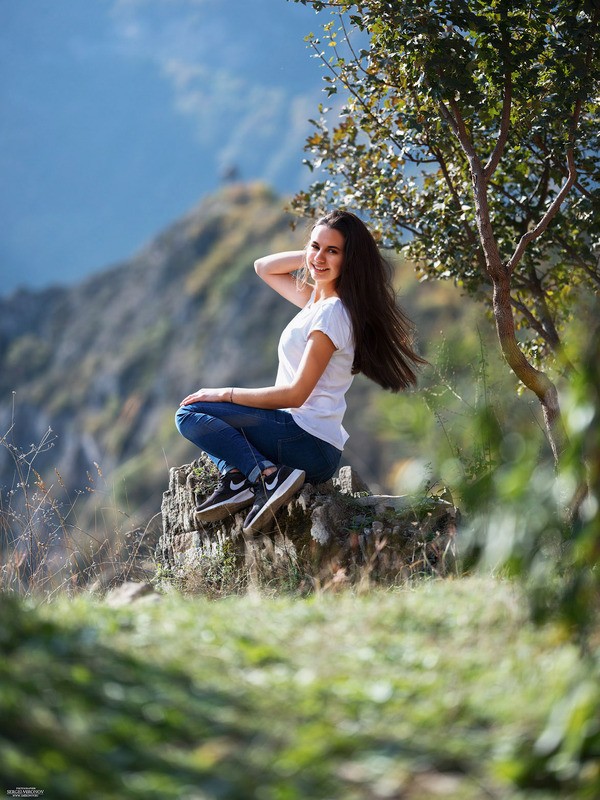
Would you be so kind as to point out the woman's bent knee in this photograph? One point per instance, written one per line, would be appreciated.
(193, 420)
(181, 415)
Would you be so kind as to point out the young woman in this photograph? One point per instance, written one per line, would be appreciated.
(266, 442)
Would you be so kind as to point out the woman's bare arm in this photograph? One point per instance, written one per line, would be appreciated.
(275, 270)
(317, 354)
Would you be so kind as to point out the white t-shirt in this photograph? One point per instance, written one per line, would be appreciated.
(323, 411)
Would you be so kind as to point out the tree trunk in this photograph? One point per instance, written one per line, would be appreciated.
(500, 275)
(532, 378)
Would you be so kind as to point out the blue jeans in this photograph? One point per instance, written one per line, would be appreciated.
(252, 439)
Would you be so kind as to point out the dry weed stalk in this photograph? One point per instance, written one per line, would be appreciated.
(43, 548)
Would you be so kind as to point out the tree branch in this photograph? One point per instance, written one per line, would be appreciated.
(496, 155)
(552, 211)
(541, 302)
(541, 188)
(464, 139)
(469, 232)
(493, 261)
(550, 337)
(558, 200)
(592, 273)
(419, 161)
(532, 320)
(346, 84)
(548, 155)
(527, 208)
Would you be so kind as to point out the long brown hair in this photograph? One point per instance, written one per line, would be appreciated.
(383, 334)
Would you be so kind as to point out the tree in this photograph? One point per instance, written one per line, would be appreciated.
(469, 136)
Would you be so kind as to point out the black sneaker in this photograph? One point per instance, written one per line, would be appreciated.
(233, 492)
(270, 493)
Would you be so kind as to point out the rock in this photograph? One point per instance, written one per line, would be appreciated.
(320, 528)
(325, 534)
(349, 481)
(383, 502)
(130, 592)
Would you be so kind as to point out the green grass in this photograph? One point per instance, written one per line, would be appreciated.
(439, 690)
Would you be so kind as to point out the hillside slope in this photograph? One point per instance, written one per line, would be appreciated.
(104, 364)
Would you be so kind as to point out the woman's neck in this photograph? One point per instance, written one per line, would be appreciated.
(324, 293)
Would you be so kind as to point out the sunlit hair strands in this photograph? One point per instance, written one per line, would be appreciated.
(383, 334)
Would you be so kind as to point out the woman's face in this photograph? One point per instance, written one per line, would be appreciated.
(325, 256)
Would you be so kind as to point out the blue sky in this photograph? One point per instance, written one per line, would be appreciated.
(119, 115)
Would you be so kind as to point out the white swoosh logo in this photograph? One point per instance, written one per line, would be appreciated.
(236, 486)
(271, 485)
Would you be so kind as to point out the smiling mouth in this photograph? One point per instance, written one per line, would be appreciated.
(319, 269)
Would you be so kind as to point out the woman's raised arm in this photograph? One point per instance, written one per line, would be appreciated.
(276, 271)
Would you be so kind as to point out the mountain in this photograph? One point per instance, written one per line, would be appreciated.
(91, 375)
(105, 363)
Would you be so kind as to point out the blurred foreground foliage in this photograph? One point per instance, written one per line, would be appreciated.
(440, 689)
(542, 523)
(522, 514)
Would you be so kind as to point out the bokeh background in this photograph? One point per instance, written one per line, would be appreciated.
(119, 115)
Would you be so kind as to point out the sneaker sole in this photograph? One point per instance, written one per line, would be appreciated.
(289, 487)
(225, 509)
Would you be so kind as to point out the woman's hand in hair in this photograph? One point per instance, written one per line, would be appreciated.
(276, 271)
